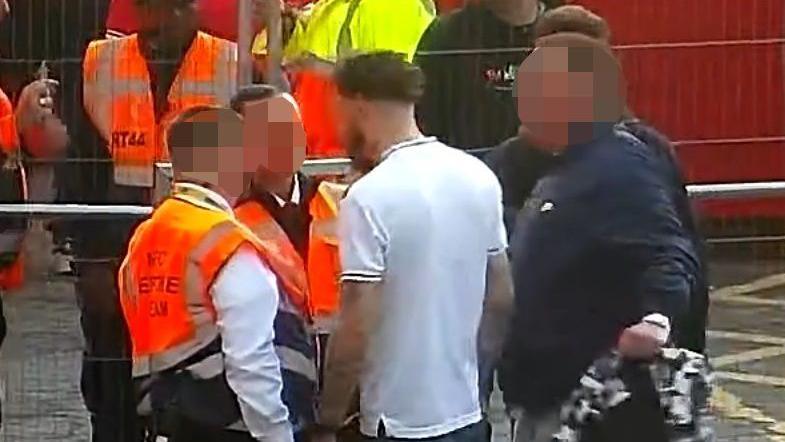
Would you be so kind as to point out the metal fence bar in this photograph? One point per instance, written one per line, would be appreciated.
(244, 40)
(737, 190)
(696, 191)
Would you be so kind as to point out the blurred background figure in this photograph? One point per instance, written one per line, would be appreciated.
(468, 99)
(337, 28)
(32, 130)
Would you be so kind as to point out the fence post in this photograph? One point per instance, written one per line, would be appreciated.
(244, 41)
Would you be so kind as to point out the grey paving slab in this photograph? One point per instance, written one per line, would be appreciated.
(768, 320)
(774, 366)
(40, 361)
(720, 347)
(767, 399)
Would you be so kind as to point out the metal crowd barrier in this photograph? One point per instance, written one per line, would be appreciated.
(338, 166)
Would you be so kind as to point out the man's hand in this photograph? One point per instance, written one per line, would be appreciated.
(43, 133)
(35, 103)
(642, 341)
(47, 139)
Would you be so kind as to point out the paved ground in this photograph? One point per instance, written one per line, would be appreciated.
(39, 365)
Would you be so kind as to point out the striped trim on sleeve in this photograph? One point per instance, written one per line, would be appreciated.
(361, 276)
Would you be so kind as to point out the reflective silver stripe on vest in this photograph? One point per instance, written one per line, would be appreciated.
(224, 84)
(296, 362)
(206, 330)
(100, 91)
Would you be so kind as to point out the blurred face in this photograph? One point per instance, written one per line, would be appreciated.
(4, 9)
(353, 119)
(213, 152)
(568, 96)
(166, 25)
(273, 135)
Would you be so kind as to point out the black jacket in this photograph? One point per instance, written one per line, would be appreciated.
(294, 220)
(597, 246)
(519, 166)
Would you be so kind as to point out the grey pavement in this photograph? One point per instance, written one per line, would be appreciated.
(40, 361)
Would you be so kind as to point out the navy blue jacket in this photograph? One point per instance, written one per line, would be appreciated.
(597, 246)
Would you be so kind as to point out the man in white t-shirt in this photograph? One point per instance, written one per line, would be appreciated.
(425, 273)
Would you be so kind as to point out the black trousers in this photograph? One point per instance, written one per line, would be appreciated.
(107, 387)
(471, 433)
(639, 419)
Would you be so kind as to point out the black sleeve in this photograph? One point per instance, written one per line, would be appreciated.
(641, 224)
(428, 113)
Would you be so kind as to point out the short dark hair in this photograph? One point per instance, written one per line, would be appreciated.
(383, 75)
(575, 19)
(186, 133)
(252, 93)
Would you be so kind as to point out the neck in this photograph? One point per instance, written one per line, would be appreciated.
(515, 12)
(400, 125)
(205, 185)
(173, 52)
(278, 185)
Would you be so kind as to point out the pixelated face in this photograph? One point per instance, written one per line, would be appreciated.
(351, 113)
(212, 152)
(273, 135)
(568, 96)
(4, 9)
(165, 25)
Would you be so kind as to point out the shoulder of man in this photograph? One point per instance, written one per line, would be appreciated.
(450, 30)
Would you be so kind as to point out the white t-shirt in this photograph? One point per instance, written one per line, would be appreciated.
(423, 223)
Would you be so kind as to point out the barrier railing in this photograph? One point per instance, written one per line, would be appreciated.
(321, 167)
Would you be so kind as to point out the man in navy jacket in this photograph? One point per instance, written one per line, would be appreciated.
(601, 260)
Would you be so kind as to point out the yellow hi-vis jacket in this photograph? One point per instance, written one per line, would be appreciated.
(331, 28)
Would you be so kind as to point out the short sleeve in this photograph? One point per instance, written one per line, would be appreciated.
(362, 243)
(497, 236)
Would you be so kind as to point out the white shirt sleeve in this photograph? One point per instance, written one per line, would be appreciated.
(362, 243)
(497, 241)
(245, 296)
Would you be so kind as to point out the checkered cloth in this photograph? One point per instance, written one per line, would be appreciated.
(682, 378)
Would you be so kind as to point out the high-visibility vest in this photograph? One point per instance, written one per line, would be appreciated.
(173, 259)
(263, 225)
(119, 100)
(337, 28)
(9, 138)
(294, 343)
(12, 276)
(324, 265)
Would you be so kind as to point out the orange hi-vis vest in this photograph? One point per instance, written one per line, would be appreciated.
(11, 277)
(173, 259)
(119, 100)
(316, 94)
(282, 253)
(9, 137)
(324, 265)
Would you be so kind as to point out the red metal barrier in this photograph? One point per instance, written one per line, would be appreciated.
(709, 74)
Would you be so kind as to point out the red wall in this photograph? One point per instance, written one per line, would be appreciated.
(717, 90)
